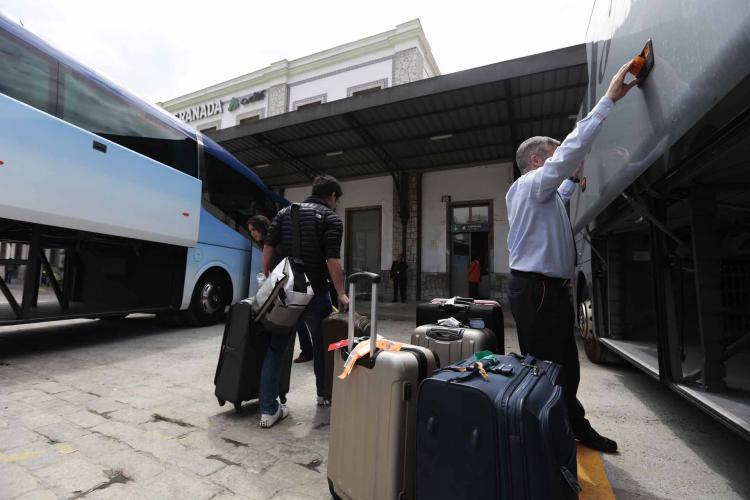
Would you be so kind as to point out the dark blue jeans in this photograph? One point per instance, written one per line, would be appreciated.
(317, 310)
(268, 391)
(305, 343)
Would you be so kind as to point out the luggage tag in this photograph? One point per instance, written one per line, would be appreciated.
(336, 345)
(363, 348)
(490, 363)
(450, 323)
(477, 323)
(479, 356)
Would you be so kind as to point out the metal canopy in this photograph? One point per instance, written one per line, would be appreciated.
(460, 119)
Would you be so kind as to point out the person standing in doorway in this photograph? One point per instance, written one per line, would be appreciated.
(9, 269)
(474, 276)
(543, 254)
(398, 276)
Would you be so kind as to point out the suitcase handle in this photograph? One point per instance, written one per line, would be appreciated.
(446, 334)
(374, 279)
(451, 308)
(463, 300)
(364, 275)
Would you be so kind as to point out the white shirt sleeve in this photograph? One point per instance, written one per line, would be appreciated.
(569, 154)
(566, 190)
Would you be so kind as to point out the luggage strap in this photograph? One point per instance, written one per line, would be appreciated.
(481, 367)
(529, 361)
(300, 281)
(571, 479)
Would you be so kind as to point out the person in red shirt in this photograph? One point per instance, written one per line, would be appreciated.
(475, 276)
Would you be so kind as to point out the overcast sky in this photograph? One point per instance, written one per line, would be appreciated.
(162, 49)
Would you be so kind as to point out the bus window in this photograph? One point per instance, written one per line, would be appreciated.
(229, 193)
(96, 109)
(27, 75)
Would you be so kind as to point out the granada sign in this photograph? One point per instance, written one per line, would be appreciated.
(217, 107)
(202, 111)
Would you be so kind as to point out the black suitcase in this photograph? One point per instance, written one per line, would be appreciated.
(334, 329)
(506, 437)
(474, 315)
(243, 348)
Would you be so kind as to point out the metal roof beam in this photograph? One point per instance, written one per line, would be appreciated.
(397, 173)
(486, 102)
(512, 126)
(422, 137)
(281, 152)
(413, 157)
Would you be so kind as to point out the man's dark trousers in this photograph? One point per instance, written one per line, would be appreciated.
(544, 321)
(318, 309)
(399, 287)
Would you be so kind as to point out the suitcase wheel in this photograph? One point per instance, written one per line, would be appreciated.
(333, 491)
(282, 398)
(221, 401)
(238, 407)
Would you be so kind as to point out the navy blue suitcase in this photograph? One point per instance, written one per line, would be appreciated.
(506, 437)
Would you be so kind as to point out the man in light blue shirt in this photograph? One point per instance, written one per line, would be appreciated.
(543, 253)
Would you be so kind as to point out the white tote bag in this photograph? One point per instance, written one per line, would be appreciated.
(283, 297)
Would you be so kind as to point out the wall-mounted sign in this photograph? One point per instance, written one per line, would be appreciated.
(470, 228)
(217, 107)
(201, 111)
(235, 102)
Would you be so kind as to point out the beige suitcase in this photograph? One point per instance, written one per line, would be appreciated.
(373, 417)
(453, 344)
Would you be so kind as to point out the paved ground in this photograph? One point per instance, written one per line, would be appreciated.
(90, 409)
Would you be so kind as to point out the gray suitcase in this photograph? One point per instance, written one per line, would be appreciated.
(451, 345)
(372, 444)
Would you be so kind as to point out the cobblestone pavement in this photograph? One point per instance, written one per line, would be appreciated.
(95, 409)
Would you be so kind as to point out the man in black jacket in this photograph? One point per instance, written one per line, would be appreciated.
(321, 231)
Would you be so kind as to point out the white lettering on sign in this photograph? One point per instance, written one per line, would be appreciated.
(201, 111)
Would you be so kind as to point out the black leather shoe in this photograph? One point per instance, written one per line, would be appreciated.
(303, 358)
(594, 440)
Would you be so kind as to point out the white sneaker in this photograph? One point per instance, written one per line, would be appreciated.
(267, 420)
(323, 401)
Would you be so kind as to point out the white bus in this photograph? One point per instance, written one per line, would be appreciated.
(110, 202)
(663, 226)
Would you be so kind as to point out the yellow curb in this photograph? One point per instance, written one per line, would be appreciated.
(591, 475)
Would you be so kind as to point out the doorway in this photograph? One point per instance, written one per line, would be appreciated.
(469, 237)
(363, 242)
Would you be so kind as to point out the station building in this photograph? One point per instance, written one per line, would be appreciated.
(425, 159)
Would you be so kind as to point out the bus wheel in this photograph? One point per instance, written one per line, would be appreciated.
(211, 296)
(588, 334)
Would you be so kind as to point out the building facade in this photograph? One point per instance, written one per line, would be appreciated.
(450, 215)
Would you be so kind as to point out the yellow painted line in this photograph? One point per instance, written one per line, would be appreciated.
(19, 457)
(64, 448)
(591, 475)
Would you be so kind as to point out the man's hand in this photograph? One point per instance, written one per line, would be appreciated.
(617, 87)
(343, 302)
(265, 263)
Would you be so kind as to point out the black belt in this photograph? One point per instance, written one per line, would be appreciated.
(540, 277)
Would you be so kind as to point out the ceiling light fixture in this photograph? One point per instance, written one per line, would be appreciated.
(335, 153)
(263, 165)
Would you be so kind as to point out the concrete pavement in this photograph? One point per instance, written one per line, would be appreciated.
(94, 409)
